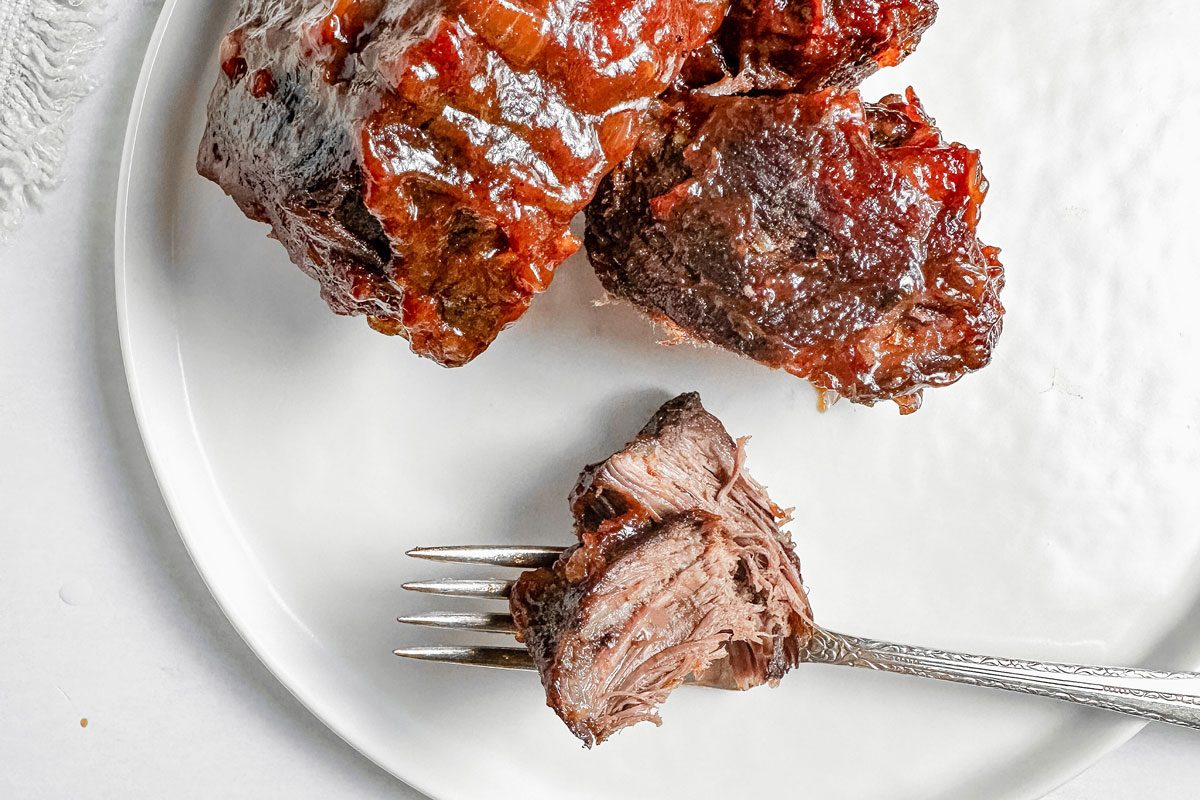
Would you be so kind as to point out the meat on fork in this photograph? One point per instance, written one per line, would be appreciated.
(814, 233)
(681, 571)
(422, 159)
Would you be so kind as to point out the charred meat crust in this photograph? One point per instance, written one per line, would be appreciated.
(807, 45)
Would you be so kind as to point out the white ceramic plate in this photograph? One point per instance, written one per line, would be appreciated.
(1046, 507)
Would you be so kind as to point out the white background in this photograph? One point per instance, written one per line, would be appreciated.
(102, 615)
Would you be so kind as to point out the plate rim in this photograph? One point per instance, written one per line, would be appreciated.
(1054, 774)
(310, 702)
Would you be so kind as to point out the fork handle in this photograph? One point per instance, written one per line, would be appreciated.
(1172, 697)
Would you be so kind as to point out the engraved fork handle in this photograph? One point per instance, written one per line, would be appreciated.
(1172, 697)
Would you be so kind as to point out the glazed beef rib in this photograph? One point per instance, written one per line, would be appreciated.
(422, 159)
(681, 571)
(811, 232)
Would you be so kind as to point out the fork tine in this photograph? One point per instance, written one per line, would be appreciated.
(493, 657)
(486, 588)
(465, 621)
(524, 556)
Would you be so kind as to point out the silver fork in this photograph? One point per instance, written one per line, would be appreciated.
(1172, 697)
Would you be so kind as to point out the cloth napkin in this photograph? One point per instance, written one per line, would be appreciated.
(44, 45)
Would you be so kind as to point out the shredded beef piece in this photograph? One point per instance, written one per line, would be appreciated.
(681, 572)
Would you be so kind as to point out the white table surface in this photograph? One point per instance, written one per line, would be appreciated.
(103, 616)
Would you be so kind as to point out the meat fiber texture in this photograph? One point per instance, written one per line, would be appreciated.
(422, 159)
(682, 572)
(811, 232)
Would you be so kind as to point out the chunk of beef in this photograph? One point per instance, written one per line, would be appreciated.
(422, 159)
(808, 45)
(813, 233)
(682, 571)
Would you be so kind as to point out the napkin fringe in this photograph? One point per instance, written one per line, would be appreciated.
(44, 45)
